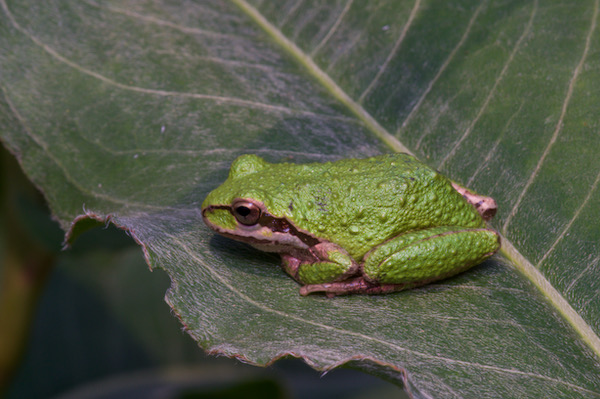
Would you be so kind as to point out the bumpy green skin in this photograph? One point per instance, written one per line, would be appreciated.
(401, 221)
(429, 254)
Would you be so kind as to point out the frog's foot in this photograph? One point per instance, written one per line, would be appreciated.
(323, 262)
(354, 286)
(486, 206)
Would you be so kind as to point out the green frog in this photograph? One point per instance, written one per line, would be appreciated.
(355, 226)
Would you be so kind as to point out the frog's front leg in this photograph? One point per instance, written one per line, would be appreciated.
(416, 258)
(324, 262)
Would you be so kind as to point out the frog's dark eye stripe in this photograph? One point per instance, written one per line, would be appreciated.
(246, 212)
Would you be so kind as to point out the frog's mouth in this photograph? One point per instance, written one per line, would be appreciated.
(269, 233)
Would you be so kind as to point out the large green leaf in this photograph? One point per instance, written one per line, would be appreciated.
(132, 111)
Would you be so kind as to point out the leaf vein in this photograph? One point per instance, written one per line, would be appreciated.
(333, 29)
(570, 223)
(164, 93)
(393, 52)
(44, 146)
(443, 67)
(494, 147)
(289, 13)
(348, 45)
(559, 124)
(157, 21)
(492, 92)
(591, 265)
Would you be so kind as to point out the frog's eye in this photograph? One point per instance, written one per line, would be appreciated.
(246, 212)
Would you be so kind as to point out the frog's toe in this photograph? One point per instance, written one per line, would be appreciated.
(335, 288)
(354, 286)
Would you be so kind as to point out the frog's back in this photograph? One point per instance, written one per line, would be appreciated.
(360, 203)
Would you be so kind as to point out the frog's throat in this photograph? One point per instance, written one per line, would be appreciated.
(272, 223)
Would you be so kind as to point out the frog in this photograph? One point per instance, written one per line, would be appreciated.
(374, 225)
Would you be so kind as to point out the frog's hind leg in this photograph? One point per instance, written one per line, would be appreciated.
(428, 255)
(413, 259)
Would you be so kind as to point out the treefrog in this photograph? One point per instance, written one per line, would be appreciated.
(354, 226)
